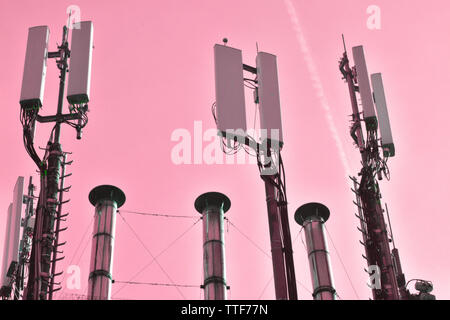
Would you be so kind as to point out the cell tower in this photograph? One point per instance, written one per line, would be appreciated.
(212, 206)
(44, 254)
(376, 239)
(229, 114)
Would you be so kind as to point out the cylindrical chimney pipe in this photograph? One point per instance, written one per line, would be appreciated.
(212, 206)
(312, 216)
(106, 199)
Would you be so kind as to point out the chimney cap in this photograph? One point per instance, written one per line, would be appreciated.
(311, 210)
(212, 199)
(107, 192)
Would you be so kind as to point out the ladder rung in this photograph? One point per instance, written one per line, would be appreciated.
(57, 259)
(362, 231)
(66, 189)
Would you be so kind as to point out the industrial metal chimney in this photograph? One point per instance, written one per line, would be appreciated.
(311, 217)
(106, 199)
(213, 205)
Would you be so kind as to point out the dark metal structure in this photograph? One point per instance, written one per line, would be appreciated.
(373, 226)
(229, 115)
(391, 284)
(44, 254)
(280, 237)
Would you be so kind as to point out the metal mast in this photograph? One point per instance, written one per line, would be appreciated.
(212, 206)
(390, 283)
(375, 235)
(276, 242)
(42, 259)
(280, 239)
(229, 115)
(59, 217)
(311, 217)
(106, 199)
(44, 254)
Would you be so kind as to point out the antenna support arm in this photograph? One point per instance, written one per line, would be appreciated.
(58, 118)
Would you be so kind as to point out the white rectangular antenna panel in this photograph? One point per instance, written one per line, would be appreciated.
(33, 81)
(269, 97)
(5, 261)
(230, 99)
(16, 219)
(364, 88)
(80, 63)
(387, 143)
(13, 225)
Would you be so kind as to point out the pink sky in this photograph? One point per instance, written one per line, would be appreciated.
(153, 73)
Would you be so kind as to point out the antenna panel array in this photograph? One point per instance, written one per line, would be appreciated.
(230, 99)
(80, 63)
(12, 237)
(33, 81)
(364, 88)
(387, 142)
(269, 96)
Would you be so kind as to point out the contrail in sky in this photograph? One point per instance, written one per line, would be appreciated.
(317, 83)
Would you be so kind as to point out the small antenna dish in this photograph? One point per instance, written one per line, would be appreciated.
(225, 41)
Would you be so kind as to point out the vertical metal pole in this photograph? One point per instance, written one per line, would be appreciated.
(288, 253)
(276, 243)
(364, 229)
(212, 206)
(378, 249)
(58, 224)
(62, 65)
(106, 199)
(49, 214)
(347, 72)
(40, 276)
(401, 281)
(311, 217)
